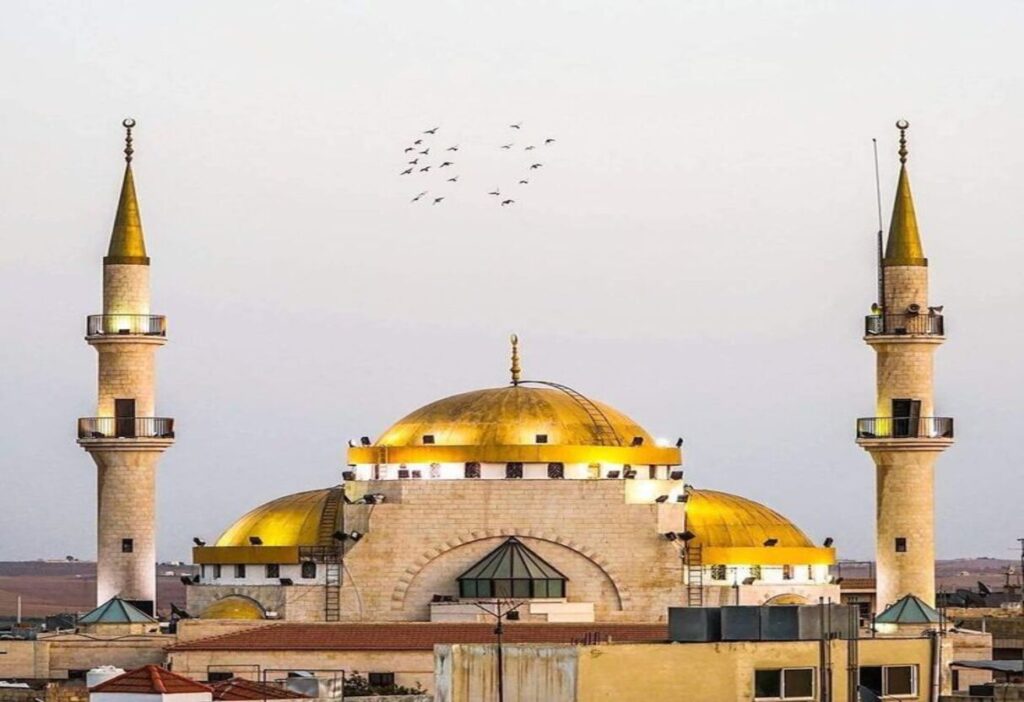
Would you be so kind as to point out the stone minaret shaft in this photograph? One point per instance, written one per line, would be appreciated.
(905, 436)
(126, 438)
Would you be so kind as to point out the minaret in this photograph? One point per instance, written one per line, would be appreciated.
(904, 437)
(125, 438)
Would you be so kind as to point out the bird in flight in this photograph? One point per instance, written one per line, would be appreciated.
(535, 166)
(529, 148)
(417, 142)
(409, 148)
(507, 202)
(424, 169)
(425, 152)
(407, 171)
(549, 141)
(432, 131)
(446, 163)
(453, 148)
(438, 199)
(497, 191)
(506, 146)
(414, 162)
(453, 179)
(517, 125)
(419, 196)
(524, 182)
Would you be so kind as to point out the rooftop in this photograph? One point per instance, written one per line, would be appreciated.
(151, 679)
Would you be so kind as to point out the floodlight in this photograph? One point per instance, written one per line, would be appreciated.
(255, 541)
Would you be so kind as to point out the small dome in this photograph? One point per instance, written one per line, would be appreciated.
(524, 423)
(721, 519)
(234, 607)
(292, 520)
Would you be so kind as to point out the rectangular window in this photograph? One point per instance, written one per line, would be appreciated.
(127, 545)
(472, 470)
(901, 544)
(784, 684)
(890, 681)
(380, 679)
(240, 570)
(787, 572)
(718, 572)
(216, 571)
(513, 470)
(556, 471)
(308, 570)
(273, 570)
(219, 676)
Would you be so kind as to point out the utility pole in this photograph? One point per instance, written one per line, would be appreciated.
(499, 630)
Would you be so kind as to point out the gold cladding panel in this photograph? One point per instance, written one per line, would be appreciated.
(293, 520)
(722, 520)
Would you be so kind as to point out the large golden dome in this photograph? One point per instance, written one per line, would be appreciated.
(529, 423)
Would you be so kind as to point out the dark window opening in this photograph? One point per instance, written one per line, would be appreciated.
(513, 470)
(273, 570)
(124, 414)
(308, 569)
(542, 438)
(556, 470)
(219, 676)
(890, 680)
(127, 545)
(240, 570)
(428, 438)
(906, 415)
(216, 571)
(380, 679)
(784, 684)
(472, 470)
(901, 544)
(403, 473)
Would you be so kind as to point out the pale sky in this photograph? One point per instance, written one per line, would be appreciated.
(698, 249)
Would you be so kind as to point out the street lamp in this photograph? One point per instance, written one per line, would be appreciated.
(499, 616)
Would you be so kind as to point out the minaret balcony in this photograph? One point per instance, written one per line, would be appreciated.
(904, 428)
(906, 324)
(119, 428)
(99, 326)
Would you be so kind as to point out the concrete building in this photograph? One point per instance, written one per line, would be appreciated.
(905, 437)
(125, 437)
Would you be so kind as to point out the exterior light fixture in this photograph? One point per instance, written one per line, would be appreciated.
(339, 536)
(355, 535)
(670, 535)
(197, 541)
(364, 440)
(679, 442)
(287, 581)
(613, 474)
(629, 474)
(661, 498)
(255, 541)
(828, 542)
(637, 441)
(676, 475)
(770, 542)
(687, 536)
(348, 475)
(682, 498)
(749, 581)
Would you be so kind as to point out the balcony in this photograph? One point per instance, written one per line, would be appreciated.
(125, 325)
(906, 324)
(905, 428)
(125, 428)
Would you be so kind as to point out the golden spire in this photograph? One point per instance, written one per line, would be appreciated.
(516, 370)
(127, 245)
(904, 245)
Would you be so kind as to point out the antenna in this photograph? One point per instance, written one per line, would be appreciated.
(881, 269)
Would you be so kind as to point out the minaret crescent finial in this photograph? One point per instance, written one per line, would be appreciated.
(128, 123)
(903, 125)
(516, 370)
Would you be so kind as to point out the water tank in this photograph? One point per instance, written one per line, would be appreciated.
(694, 624)
(98, 675)
(780, 623)
(741, 623)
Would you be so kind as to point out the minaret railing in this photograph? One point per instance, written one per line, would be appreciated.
(904, 324)
(126, 325)
(125, 428)
(905, 428)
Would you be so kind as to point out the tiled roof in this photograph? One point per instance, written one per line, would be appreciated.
(242, 689)
(415, 636)
(116, 611)
(151, 679)
(909, 609)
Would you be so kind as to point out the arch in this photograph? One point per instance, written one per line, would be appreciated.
(787, 598)
(622, 592)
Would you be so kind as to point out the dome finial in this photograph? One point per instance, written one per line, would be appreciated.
(128, 123)
(516, 370)
(903, 125)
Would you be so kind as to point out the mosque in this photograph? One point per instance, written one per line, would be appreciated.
(529, 491)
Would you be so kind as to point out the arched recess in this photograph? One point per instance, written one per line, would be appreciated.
(787, 598)
(398, 595)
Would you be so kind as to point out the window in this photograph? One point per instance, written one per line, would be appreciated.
(472, 470)
(556, 470)
(403, 473)
(216, 571)
(380, 679)
(718, 572)
(542, 438)
(784, 684)
(219, 676)
(513, 470)
(901, 544)
(308, 570)
(787, 572)
(435, 470)
(240, 570)
(428, 438)
(273, 570)
(755, 572)
(127, 545)
(890, 680)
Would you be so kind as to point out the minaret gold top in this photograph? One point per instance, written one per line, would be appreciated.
(127, 244)
(904, 245)
(516, 370)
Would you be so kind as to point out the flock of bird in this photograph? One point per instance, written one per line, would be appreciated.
(419, 151)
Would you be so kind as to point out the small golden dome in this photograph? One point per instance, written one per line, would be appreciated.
(518, 423)
(234, 607)
(292, 520)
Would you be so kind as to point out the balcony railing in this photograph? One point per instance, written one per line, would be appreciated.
(900, 324)
(126, 325)
(905, 428)
(125, 428)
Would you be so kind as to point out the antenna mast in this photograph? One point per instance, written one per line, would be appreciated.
(881, 269)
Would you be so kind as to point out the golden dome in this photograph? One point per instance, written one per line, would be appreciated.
(234, 607)
(302, 519)
(733, 529)
(517, 423)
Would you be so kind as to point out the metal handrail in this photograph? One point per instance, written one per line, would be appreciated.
(905, 428)
(125, 428)
(125, 325)
(904, 324)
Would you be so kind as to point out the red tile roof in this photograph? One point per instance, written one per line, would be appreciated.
(151, 679)
(242, 689)
(408, 636)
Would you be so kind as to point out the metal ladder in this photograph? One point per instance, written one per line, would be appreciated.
(332, 592)
(332, 555)
(694, 577)
(604, 432)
